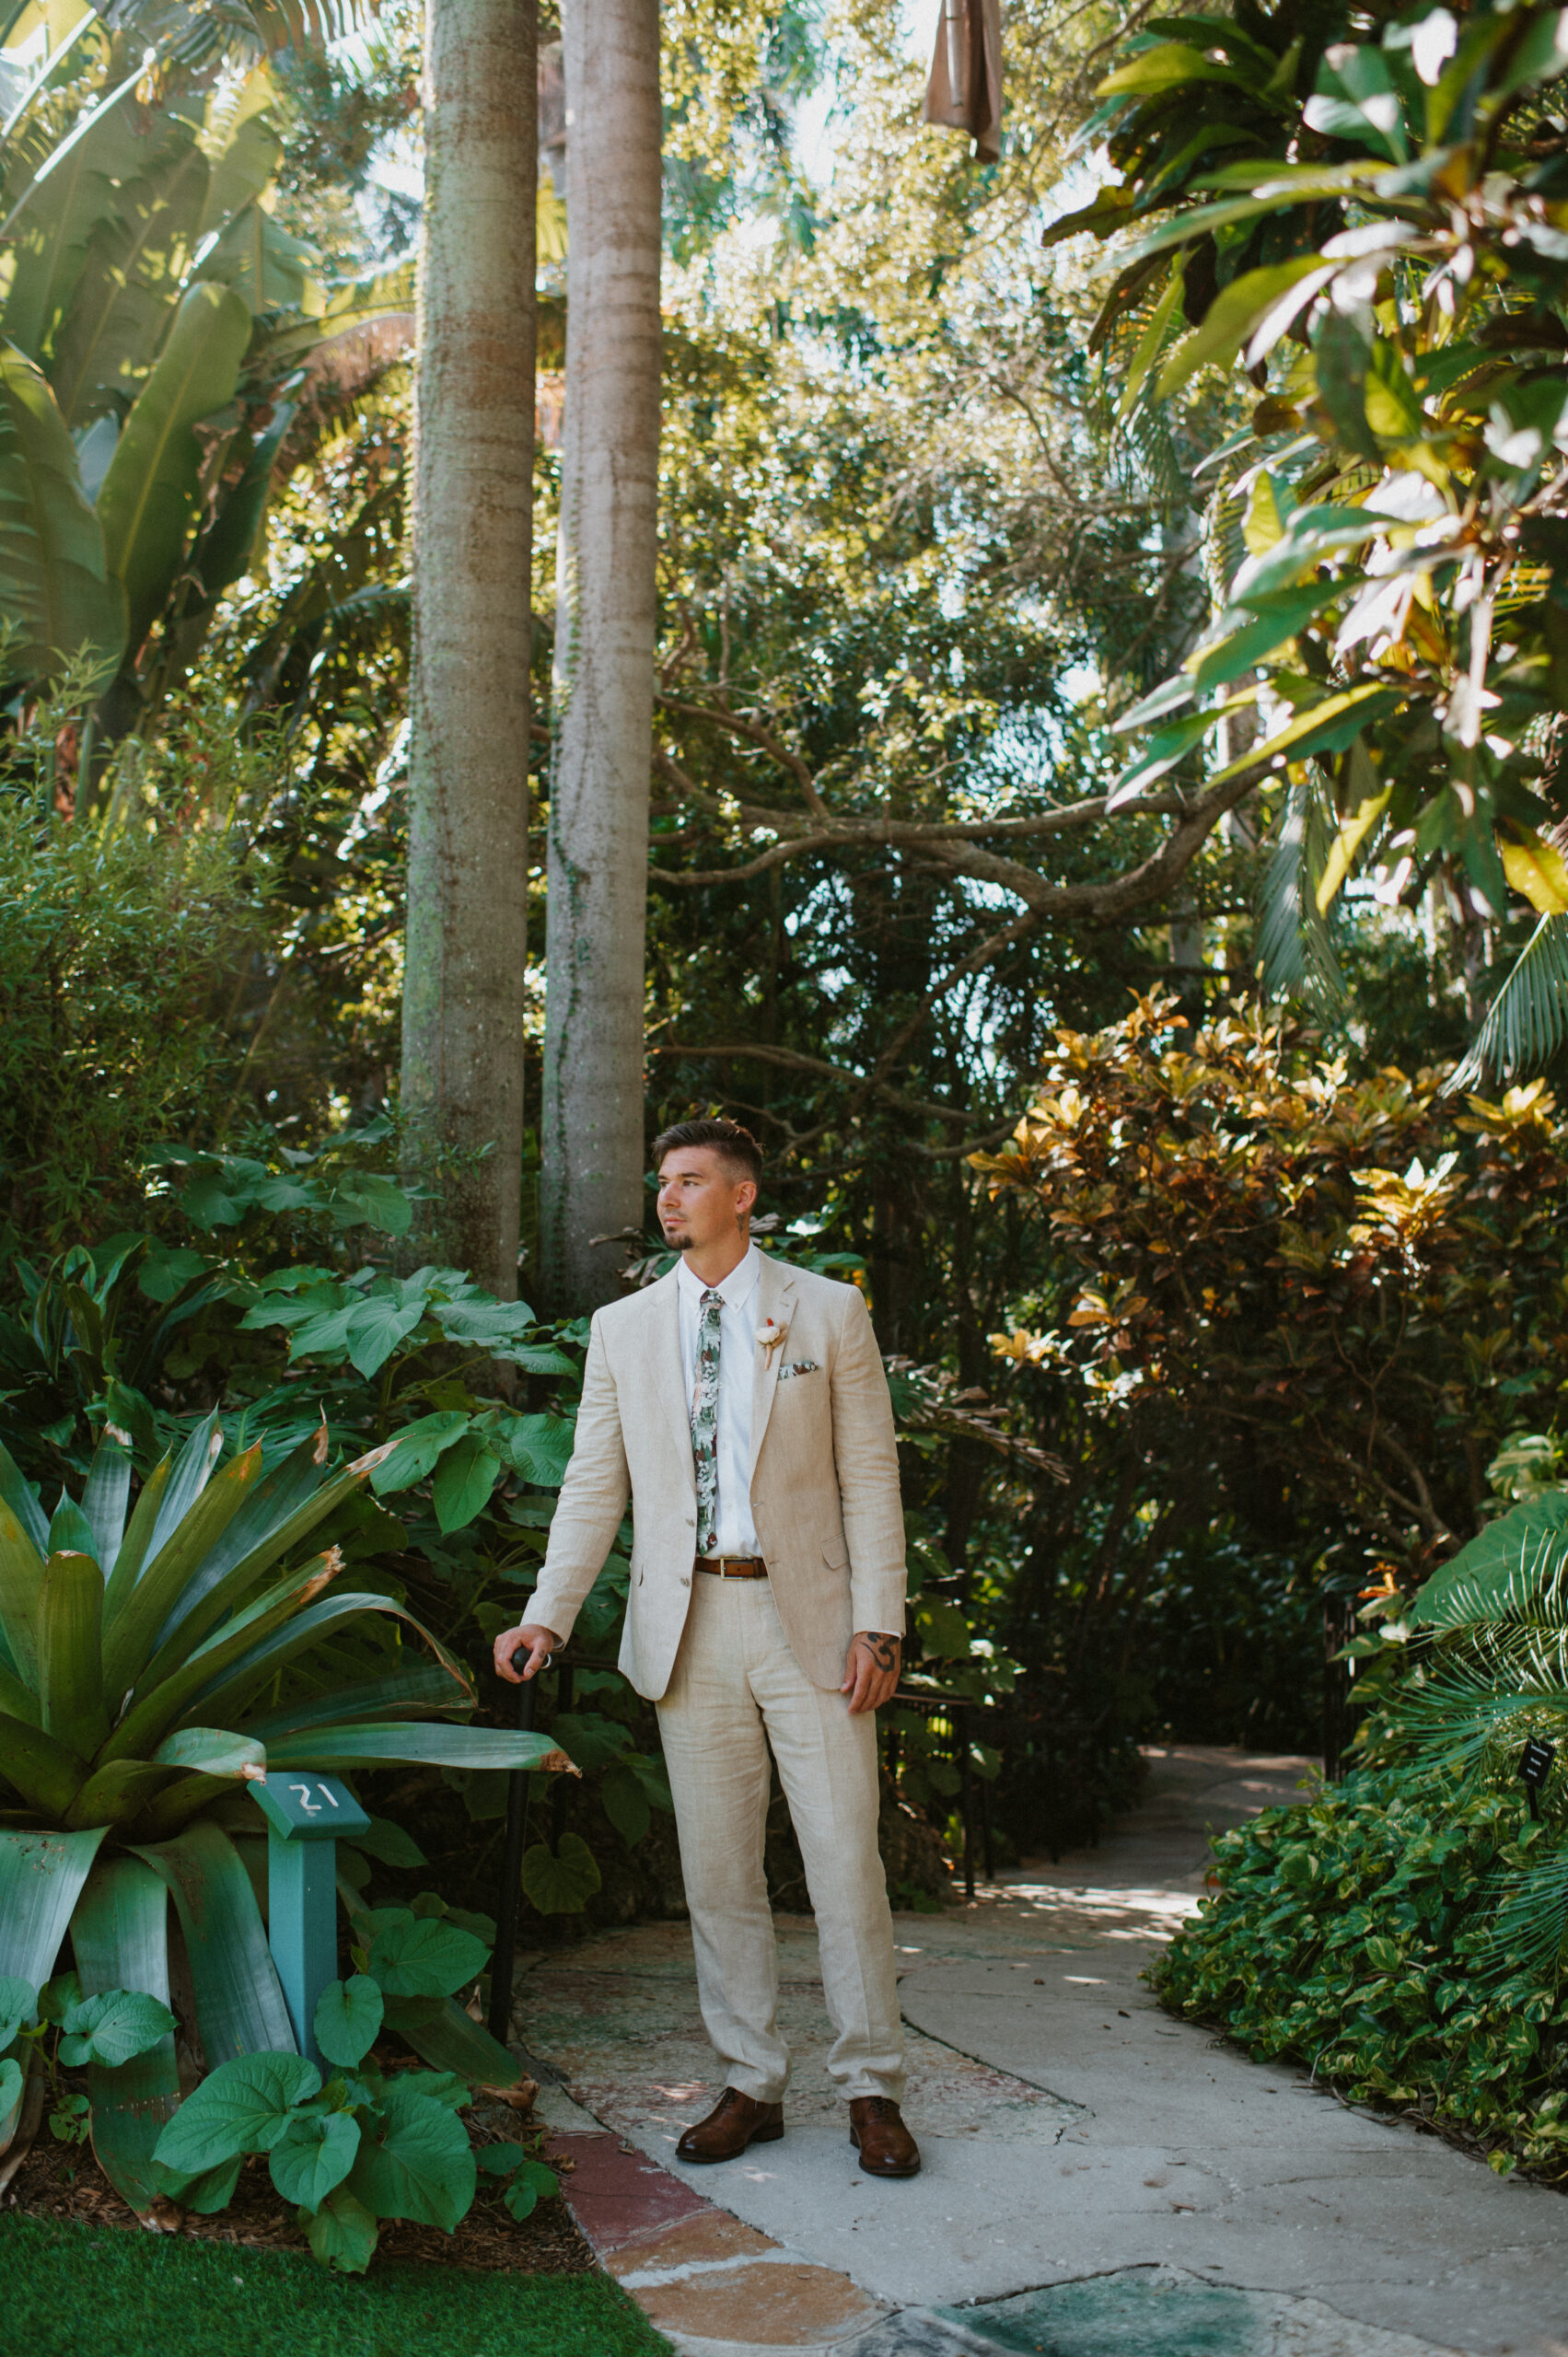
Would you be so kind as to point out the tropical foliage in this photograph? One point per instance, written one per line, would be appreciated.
(162, 336)
(1353, 1934)
(1366, 215)
(159, 1655)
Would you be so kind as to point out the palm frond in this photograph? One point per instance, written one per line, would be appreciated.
(1502, 1573)
(1295, 954)
(1528, 1018)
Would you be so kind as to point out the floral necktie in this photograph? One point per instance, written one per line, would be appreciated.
(705, 1423)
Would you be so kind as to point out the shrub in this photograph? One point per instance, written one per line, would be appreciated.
(1355, 1933)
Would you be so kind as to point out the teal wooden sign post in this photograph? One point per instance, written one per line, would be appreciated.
(306, 1817)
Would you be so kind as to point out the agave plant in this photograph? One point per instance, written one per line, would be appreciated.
(155, 1658)
(1491, 1676)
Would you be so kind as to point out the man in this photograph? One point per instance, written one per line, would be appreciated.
(743, 1408)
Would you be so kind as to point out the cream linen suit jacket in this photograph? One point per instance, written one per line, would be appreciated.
(824, 1477)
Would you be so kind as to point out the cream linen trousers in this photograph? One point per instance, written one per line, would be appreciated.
(736, 1687)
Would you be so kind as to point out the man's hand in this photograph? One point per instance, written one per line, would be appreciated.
(540, 1641)
(871, 1673)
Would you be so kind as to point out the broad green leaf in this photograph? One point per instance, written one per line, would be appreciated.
(591, 1738)
(239, 2000)
(390, 1843)
(389, 1744)
(18, 2003)
(113, 2028)
(120, 1935)
(22, 1498)
(417, 1448)
(348, 2022)
(45, 1771)
(313, 2156)
(206, 2192)
(70, 1620)
(342, 2233)
(56, 595)
(148, 498)
(541, 1449)
(243, 2106)
(561, 1882)
(105, 1499)
(425, 1957)
(1536, 871)
(1347, 843)
(1167, 67)
(131, 1632)
(625, 1803)
(1284, 615)
(41, 1879)
(21, 1576)
(500, 2160)
(531, 2185)
(442, 2034)
(1231, 318)
(213, 1750)
(1343, 358)
(258, 258)
(1326, 727)
(375, 1330)
(56, 220)
(418, 2165)
(118, 316)
(241, 174)
(464, 1480)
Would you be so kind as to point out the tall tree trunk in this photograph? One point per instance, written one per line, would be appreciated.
(591, 1132)
(463, 991)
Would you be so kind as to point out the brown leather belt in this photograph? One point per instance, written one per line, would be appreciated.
(732, 1567)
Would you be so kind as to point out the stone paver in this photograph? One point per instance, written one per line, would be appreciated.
(1099, 2178)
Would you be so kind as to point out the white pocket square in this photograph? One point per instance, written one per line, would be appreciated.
(798, 1366)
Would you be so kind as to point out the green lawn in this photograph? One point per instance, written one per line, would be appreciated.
(71, 2292)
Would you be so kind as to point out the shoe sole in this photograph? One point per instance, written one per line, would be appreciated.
(711, 2160)
(869, 2170)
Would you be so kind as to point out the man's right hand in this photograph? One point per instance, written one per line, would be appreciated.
(540, 1641)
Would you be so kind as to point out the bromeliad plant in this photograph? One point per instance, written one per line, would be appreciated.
(155, 1658)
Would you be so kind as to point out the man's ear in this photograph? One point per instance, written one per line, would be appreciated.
(746, 1199)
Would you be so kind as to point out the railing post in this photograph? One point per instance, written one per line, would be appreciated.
(527, 1697)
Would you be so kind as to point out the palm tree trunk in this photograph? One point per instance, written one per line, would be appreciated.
(591, 1130)
(463, 992)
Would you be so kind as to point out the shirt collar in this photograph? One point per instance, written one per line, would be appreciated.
(738, 1287)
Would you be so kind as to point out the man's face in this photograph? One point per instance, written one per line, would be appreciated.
(701, 1200)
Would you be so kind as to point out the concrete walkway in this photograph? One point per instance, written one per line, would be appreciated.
(1099, 2179)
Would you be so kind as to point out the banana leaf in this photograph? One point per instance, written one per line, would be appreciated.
(149, 497)
(118, 316)
(120, 1933)
(55, 593)
(448, 2039)
(239, 2000)
(54, 223)
(70, 1656)
(131, 1635)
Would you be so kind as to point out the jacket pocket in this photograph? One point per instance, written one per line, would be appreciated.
(836, 1557)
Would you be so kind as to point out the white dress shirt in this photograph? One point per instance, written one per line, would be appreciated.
(737, 1533)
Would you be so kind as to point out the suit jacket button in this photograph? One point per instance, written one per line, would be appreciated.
(685, 1579)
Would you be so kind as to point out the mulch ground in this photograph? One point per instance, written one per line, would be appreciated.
(63, 2181)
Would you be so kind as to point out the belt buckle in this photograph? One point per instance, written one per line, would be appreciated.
(725, 1562)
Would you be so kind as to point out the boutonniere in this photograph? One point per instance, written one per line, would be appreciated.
(770, 1333)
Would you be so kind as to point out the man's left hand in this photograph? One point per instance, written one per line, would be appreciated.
(871, 1673)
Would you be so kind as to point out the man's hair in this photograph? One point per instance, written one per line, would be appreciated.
(738, 1146)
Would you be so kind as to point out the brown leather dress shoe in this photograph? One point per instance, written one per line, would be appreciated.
(887, 2148)
(735, 2121)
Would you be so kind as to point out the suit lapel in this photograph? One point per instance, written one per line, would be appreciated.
(776, 1299)
(669, 1369)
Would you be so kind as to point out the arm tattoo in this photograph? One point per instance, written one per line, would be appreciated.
(884, 1650)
